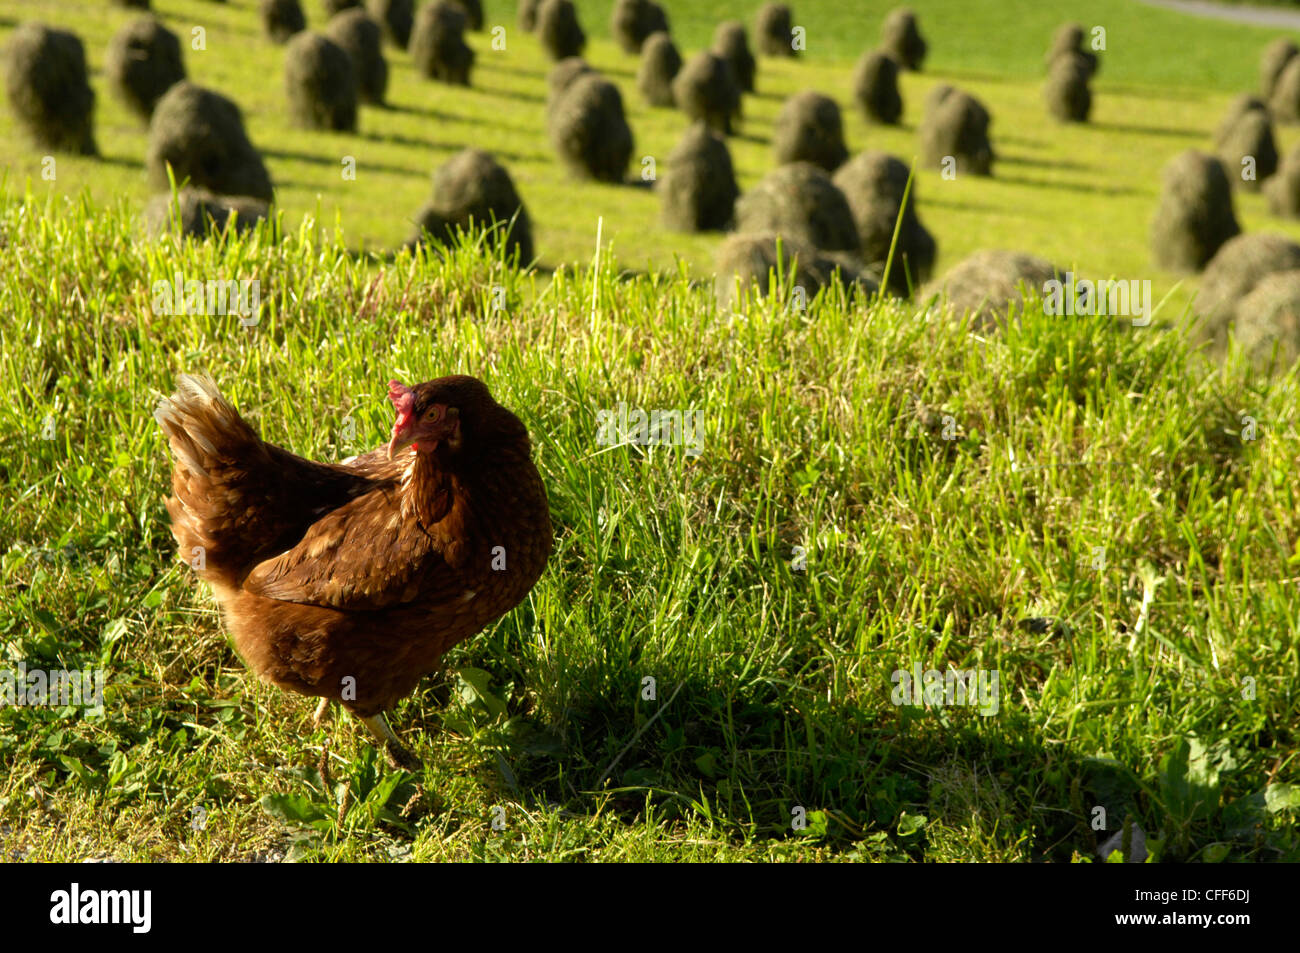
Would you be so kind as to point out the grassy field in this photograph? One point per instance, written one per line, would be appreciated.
(1132, 579)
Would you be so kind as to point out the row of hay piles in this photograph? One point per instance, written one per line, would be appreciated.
(473, 190)
(588, 127)
(956, 127)
(1244, 143)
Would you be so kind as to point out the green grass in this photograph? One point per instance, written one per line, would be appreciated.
(1162, 687)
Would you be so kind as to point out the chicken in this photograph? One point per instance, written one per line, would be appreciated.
(349, 582)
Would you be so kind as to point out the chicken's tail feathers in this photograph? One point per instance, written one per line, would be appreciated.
(199, 423)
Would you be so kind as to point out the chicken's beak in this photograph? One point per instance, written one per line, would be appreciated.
(399, 443)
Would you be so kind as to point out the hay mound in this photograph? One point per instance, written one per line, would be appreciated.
(438, 45)
(989, 283)
(473, 13)
(774, 28)
(705, 89)
(1250, 137)
(48, 89)
(731, 43)
(474, 191)
(874, 184)
(901, 38)
(589, 130)
(281, 19)
(1066, 91)
(800, 202)
(660, 63)
(332, 7)
(563, 75)
(201, 135)
(1271, 63)
(1195, 214)
(395, 19)
(1283, 189)
(1241, 105)
(321, 83)
(558, 29)
(143, 61)
(956, 124)
(634, 20)
(198, 213)
(361, 38)
(1067, 42)
(809, 129)
(1238, 267)
(755, 261)
(1269, 318)
(528, 15)
(875, 87)
(699, 190)
(1285, 101)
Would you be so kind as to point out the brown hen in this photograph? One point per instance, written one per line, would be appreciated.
(349, 582)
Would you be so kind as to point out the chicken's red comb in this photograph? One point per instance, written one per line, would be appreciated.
(403, 399)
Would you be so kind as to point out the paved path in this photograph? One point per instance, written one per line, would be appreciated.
(1258, 16)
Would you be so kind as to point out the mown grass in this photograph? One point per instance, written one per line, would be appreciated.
(1161, 687)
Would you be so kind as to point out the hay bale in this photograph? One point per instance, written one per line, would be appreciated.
(527, 15)
(1269, 318)
(1271, 63)
(48, 89)
(957, 125)
(473, 13)
(1285, 101)
(705, 89)
(809, 129)
(563, 75)
(558, 29)
(198, 213)
(200, 134)
(1066, 90)
(281, 19)
(698, 191)
(874, 184)
(438, 46)
(989, 283)
(774, 29)
(1195, 215)
(731, 43)
(875, 87)
(901, 38)
(589, 130)
(143, 61)
(660, 63)
(361, 38)
(1067, 42)
(321, 83)
(1283, 189)
(799, 201)
(754, 261)
(1241, 105)
(395, 19)
(634, 20)
(333, 7)
(1235, 269)
(1250, 138)
(474, 191)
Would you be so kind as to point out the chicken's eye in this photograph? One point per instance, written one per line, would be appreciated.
(431, 414)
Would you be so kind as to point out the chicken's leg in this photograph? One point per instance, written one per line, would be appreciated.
(399, 756)
(321, 711)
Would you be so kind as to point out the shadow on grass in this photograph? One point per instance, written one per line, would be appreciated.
(291, 156)
(1080, 187)
(1136, 128)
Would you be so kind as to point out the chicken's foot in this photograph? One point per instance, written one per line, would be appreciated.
(321, 711)
(398, 755)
